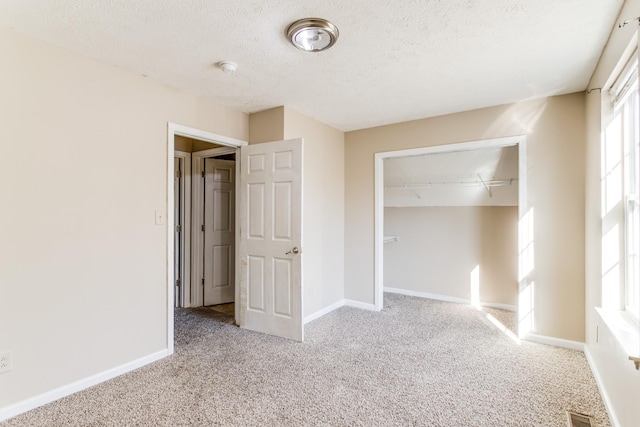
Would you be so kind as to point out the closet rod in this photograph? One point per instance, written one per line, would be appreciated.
(477, 183)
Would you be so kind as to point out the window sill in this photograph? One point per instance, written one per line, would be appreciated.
(625, 330)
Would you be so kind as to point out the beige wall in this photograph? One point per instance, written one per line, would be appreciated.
(267, 125)
(619, 380)
(323, 211)
(555, 183)
(323, 200)
(439, 247)
(82, 264)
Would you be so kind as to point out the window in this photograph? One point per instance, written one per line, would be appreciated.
(620, 175)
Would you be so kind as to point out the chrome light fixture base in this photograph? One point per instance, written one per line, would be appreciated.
(312, 34)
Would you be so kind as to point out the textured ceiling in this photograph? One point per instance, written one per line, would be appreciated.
(396, 60)
(453, 179)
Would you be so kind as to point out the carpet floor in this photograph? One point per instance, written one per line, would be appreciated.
(418, 362)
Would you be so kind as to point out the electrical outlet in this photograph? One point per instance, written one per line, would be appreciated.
(5, 362)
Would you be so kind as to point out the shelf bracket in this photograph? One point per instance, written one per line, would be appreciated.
(484, 184)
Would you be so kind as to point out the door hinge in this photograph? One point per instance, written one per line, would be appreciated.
(178, 228)
(203, 174)
(202, 227)
(203, 281)
(178, 174)
(178, 283)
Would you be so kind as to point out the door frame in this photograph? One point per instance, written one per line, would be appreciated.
(197, 239)
(174, 129)
(519, 140)
(185, 280)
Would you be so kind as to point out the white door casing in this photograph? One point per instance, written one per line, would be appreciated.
(270, 252)
(219, 231)
(182, 217)
(177, 206)
(197, 218)
(523, 207)
(173, 130)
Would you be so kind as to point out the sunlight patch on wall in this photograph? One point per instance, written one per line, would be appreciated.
(526, 267)
(526, 259)
(526, 310)
(526, 115)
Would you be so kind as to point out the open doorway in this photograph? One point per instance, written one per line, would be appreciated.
(185, 250)
(452, 192)
(204, 221)
(268, 283)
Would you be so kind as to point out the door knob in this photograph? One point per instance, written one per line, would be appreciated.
(295, 250)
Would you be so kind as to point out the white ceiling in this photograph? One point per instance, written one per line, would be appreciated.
(483, 177)
(395, 60)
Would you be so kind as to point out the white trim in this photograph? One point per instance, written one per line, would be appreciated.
(556, 342)
(519, 140)
(523, 210)
(318, 314)
(603, 391)
(60, 392)
(237, 310)
(196, 233)
(371, 307)
(197, 243)
(186, 228)
(378, 218)
(336, 305)
(453, 148)
(169, 238)
(360, 305)
(203, 135)
(174, 129)
(439, 297)
(500, 306)
(624, 329)
(214, 152)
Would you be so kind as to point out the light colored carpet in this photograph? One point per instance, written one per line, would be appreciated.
(417, 363)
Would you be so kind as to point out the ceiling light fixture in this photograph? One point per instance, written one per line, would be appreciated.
(312, 34)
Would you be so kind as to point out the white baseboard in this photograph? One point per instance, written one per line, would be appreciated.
(603, 391)
(557, 342)
(447, 298)
(358, 304)
(506, 307)
(342, 303)
(318, 314)
(60, 392)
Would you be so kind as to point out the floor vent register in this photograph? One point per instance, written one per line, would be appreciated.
(576, 419)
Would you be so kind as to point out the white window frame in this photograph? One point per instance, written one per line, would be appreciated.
(625, 107)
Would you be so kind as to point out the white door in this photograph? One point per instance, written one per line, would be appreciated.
(271, 238)
(219, 231)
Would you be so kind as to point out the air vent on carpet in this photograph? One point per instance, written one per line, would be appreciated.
(579, 420)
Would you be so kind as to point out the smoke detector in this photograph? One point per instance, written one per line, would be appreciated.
(228, 67)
